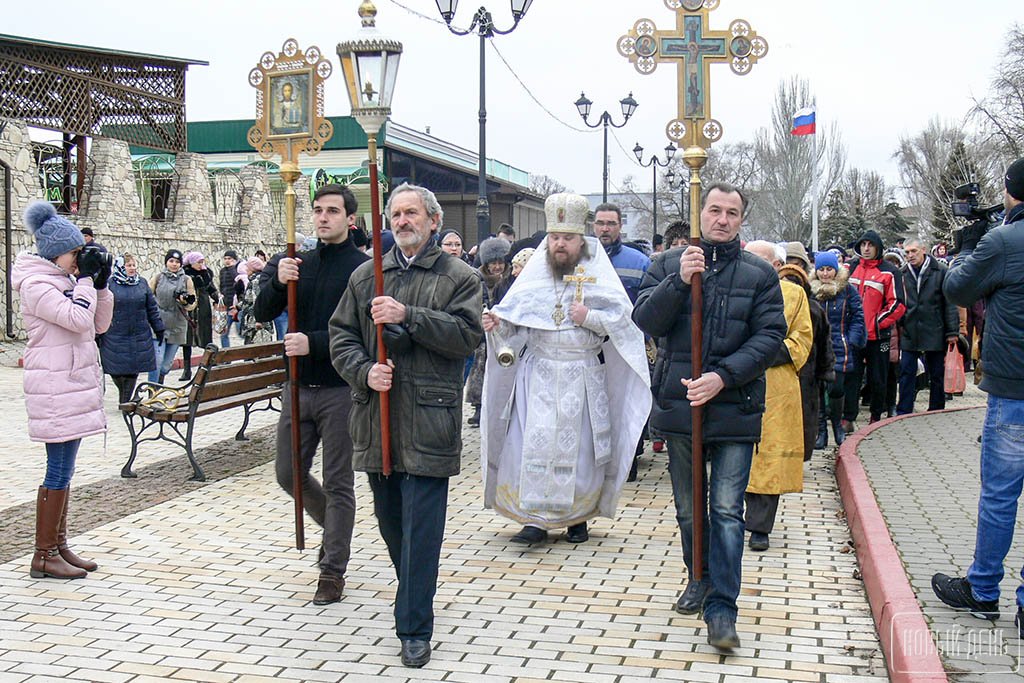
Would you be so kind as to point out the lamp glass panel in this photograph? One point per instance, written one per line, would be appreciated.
(390, 75)
(520, 7)
(447, 8)
(371, 71)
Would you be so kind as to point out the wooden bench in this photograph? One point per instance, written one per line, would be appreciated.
(248, 376)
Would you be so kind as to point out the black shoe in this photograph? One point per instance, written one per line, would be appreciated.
(722, 632)
(822, 440)
(956, 592)
(758, 541)
(632, 469)
(473, 421)
(186, 374)
(530, 535)
(692, 599)
(329, 589)
(1019, 622)
(578, 533)
(415, 653)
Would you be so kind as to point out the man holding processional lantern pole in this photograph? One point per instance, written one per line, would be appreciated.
(708, 405)
(400, 337)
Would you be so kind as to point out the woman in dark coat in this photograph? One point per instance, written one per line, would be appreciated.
(126, 349)
(818, 370)
(200, 326)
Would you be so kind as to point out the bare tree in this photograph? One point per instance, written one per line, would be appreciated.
(545, 185)
(786, 167)
(932, 163)
(1000, 114)
(733, 163)
(862, 200)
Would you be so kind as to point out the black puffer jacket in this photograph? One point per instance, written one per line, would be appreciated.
(443, 306)
(931, 318)
(994, 270)
(227, 284)
(323, 277)
(744, 326)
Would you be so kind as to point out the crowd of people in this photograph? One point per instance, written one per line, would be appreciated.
(572, 351)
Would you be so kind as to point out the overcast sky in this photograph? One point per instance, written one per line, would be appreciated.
(879, 69)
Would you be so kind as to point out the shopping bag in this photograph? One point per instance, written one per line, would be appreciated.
(955, 379)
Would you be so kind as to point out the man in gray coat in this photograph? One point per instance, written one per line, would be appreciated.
(431, 310)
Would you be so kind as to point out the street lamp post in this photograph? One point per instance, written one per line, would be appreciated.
(684, 209)
(628, 105)
(370, 63)
(483, 26)
(654, 163)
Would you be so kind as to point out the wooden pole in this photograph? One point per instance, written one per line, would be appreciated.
(290, 173)
(695, 157)
(378, 281)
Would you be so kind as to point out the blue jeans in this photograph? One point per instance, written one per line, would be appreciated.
(935, 366)
(164, 359)
(1002, 476)
(225, 339)
(60, 464)
(722, 547)
(410, 512)
(281, 325)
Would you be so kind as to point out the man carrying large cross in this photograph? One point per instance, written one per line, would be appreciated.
(744, 327)
(560, 424)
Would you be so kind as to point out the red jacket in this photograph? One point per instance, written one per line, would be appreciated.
(877, 289)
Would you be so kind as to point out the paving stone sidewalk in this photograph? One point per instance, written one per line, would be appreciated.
(925, 473)
(207, 587)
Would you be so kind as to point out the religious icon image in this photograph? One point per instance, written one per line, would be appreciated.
(289, 104)
(646, 46)
(740, 46)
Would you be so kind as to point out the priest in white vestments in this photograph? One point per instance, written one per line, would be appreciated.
(560, 423)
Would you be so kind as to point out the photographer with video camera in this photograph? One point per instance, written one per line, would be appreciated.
(991, 266)
(176, 297)
(65, 303)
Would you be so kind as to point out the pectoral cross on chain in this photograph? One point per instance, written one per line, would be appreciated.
(578, 278)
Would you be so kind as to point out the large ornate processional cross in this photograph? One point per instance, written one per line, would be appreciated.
(692, 46)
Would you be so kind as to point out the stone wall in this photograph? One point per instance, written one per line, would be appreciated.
(111, 207)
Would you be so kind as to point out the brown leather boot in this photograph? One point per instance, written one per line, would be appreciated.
(62, 541)
(47, 562)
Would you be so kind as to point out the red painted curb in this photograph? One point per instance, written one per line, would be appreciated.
(902, 628)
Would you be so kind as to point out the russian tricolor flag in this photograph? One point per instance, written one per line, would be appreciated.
(803, 122)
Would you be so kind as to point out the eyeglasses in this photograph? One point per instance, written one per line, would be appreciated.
(605, 224)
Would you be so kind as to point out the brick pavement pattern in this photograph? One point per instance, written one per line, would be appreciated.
(207, 586)
(924, 470)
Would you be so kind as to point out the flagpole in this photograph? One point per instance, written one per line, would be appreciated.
(814, 196)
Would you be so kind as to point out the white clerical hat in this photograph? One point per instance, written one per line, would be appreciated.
(567, 212)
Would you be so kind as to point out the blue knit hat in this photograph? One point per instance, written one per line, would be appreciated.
(826, 259)
(55, 235)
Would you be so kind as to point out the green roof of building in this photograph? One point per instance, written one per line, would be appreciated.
(219, 137)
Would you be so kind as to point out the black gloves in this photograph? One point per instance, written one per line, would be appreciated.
(159, 336)
(95, 264)
(972, 234)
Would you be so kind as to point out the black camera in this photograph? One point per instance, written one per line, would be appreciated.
(185, 298)
(968, 206)
(92, 259)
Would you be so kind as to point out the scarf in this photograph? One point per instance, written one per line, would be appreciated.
(119, 275)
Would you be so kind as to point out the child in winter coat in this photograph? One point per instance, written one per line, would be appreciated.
(65, 303)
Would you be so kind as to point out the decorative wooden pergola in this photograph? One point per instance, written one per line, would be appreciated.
(84, 91)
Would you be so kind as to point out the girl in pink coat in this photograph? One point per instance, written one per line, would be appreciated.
(65, 303)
